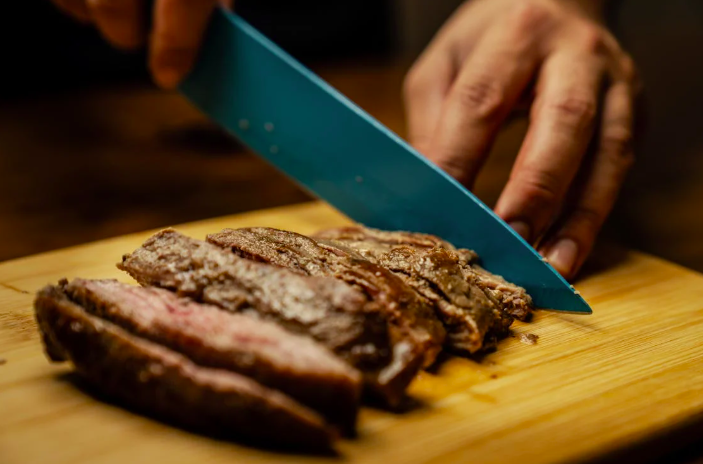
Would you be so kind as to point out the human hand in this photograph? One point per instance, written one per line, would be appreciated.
(557, 55)
(174, 36)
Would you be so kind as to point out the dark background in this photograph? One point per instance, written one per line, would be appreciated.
(45, 50)
(89, 148)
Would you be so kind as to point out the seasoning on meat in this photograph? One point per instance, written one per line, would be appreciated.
(411, 317)
(475, 307)
(294, 364)
(373, 242)
(163, 382)
(333, 313)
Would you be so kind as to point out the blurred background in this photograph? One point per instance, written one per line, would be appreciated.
(89, 148)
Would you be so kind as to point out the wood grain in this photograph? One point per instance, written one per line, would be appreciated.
(590, 386)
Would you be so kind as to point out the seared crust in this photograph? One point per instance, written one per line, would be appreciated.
(476, 306)
(158, 380)
(293, 364)
(412, 319)
(333, 313)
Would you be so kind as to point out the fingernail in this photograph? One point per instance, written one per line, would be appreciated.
(168, 78)
(563, 255)
(522, 228)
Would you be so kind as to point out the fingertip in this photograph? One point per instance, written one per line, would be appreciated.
(522, 228)
(177, 34)
(168, 78)
(563, 255)
(170, 66)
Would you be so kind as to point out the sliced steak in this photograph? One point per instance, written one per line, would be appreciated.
(473, 316)
(160, 381)
(412, 319)
(511, 298)
(294, 364)
(338, 316)
(472, 320)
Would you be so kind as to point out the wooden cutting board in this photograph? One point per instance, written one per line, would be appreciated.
(592, 385)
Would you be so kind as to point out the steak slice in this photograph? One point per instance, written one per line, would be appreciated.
(160, 381)
(512, 298)
(294, 364)
(411, 318)
(338, 316)
(473, 317)
(472, 320)
(384, 240)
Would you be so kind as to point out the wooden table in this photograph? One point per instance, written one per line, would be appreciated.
(627, 379)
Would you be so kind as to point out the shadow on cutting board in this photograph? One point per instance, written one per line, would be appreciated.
(604, 256)
(685, 440)
(219, 436)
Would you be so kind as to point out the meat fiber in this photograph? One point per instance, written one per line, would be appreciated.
(294, 364)
(373, 243)
(412, 319)
(472, 321)
(160, 381)
(338, 316)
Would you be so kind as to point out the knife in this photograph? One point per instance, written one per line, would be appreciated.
(336, 151)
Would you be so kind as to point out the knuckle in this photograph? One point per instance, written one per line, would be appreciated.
(574, 111)
(413, 82)
(617, 142)
(629, 69)
(531, 15)
(483, 97)
(539, 189)
(593, 40)
(585, 218)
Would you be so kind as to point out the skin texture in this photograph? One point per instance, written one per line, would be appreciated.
(491, 58)
(556, 57)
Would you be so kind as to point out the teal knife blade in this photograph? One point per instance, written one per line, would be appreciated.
(335, 150)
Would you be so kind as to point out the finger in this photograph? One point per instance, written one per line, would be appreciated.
(425, 89)
(74, 8)
(572, 241)
(488, 85)
(561, 128)
(177, 33)
(121, 22)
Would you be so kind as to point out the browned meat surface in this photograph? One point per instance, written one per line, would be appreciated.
(472, 320)
(335, 314)
(372, 242)
(412, 318)
(294, 364)
(512, 298)
(160, 381)
(383, 240)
